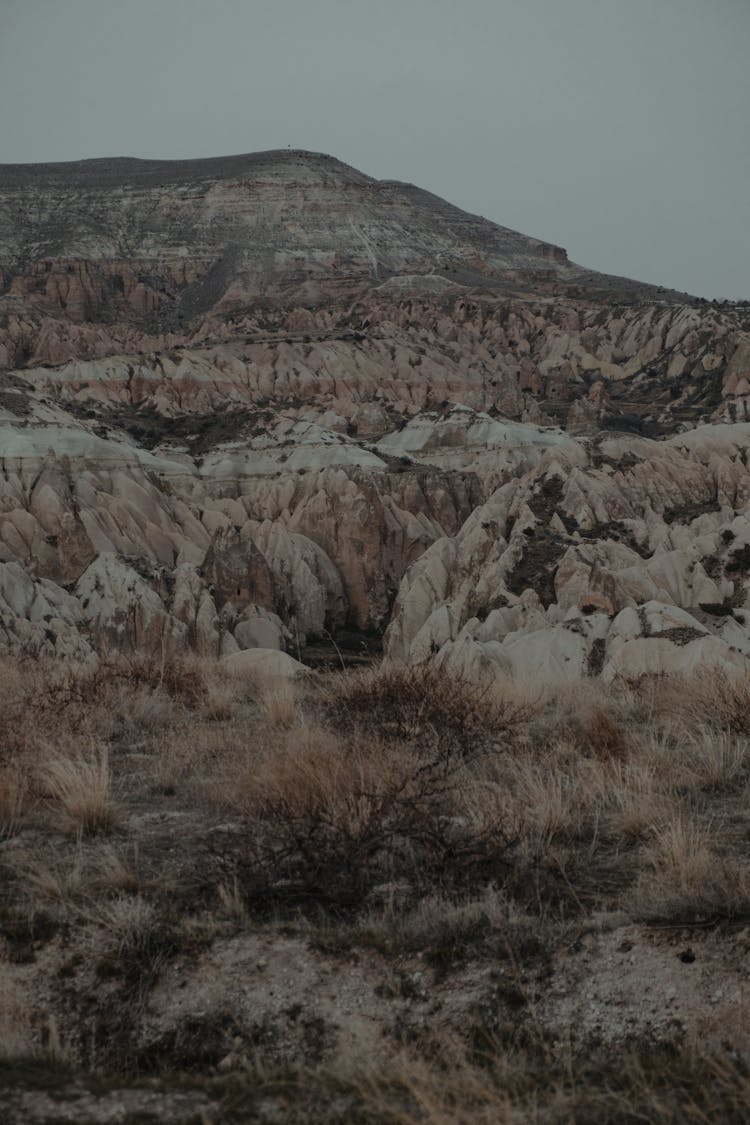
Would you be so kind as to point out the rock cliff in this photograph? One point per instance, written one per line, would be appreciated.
(268, 401)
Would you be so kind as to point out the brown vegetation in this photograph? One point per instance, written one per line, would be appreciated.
(152, 812)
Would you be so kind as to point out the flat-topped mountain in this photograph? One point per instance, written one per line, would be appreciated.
(272, 218)
(264, 399)
(278, 225)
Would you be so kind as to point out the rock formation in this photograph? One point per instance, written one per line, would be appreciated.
(267, 401)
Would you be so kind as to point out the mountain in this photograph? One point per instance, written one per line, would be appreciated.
(267, 400)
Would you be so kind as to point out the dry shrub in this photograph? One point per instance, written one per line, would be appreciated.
(689, 880)
(426, 705)
(603, 736)
(181, 676)
(68, 688)
(331, 819)
(83, 787)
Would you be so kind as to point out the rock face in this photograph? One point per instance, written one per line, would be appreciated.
(260, 401)
(614, 556)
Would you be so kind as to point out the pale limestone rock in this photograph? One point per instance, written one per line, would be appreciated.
(657, 656)
(259, 628)
(689, 565)
(39, 618)
(388, 437)
(627, 625)
(660, 618)
(268, 666)
(473, 660)
(121, 610)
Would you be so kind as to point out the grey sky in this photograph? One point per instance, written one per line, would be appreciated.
(619, 129)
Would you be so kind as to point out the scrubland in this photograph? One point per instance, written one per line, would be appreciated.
(381, 895)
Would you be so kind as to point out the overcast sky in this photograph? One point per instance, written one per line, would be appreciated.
(619, 129)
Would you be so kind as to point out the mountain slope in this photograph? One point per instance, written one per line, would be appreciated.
(240, 398)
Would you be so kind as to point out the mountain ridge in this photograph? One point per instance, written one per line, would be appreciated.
(281, 399)
(104, 173)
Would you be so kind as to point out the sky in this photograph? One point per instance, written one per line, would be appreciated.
(619, 129)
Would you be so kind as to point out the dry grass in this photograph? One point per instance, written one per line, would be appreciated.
(232, 901)
(688, 879)
(711, 697)
(503, 1087)
(141, 711)
(127, 922)
(279, 706)
(220, 701)
(717, 759)
(117, 874)
(51, 882)
(13, 799)
(82, 786)
(550, 805)
(402, 812)
(425, 706)
(633, 803)
(387, 775)
(334, 816)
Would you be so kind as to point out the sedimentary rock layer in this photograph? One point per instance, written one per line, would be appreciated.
(268, 400)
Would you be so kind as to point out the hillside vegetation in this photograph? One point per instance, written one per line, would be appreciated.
(382, 895)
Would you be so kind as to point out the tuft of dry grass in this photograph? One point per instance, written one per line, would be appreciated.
(220, 702)
(604, 736)
(550, 804)
(127, 921)
(51, 881)
(13, 796)
(82, 786)
(687, 879)
(711, 698)
(143, 710)
(632, 802)
(115, 874)
(279, 706)
(232, 901)
(445, 928)
(597, 720)
(717, 759)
